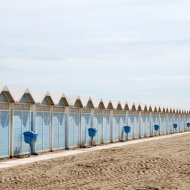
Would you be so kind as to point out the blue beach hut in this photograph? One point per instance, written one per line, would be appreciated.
(6, 101)
(74, 121)
(59, 121)
(86, 121)
(22, 120)
(43, 121)
(98, 120)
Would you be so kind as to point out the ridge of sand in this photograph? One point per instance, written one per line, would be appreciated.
(158, 164)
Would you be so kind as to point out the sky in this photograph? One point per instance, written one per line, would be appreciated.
(128, 50)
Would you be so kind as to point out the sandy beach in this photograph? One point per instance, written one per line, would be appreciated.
(160, 164)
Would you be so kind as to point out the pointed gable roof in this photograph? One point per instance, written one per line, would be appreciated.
(116, 105)
(163, 110)
(133, 108)
(74, 101)
(27, 97)
(48, 99)
(5, 94)
(119, 106)
(155, 109)
(87, 102)
(63, 101)
(42, 98)
(126, 106)
(98, 103)
(110, 105)
(101, 104)
(150, 108)
(145, 108)
(139, 108)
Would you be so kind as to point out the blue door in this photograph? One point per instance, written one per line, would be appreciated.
(143, 125)
(170, 124)
(182, 123)
(188, 121)
(165, 124)
(178, 124)
(58, 130)
(130, 122)
(62, 121)
(106, 128)
(155, 121)
(43, 130)
(77, 130)
(136, 127)
(4, 133)
(98, 127)
(21, 124)
(122, 124)
(74, 122)
(175, 120)
(25, 127)
(39, 130)
(85, 125)
(55, 130)
(46, 131)
(147, 125)
(162, 125)
(71, 129)
(116, 128)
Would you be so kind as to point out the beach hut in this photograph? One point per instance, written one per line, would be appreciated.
(155, 116)
(107, 122)
(130, 120)
(151, 123)
(163, 121)
(185, 120)
(98, 119)
(133, 117)
(59, 121)
(170, 121)
(144, 121)
(116, 122)
(141, 121)
(177, 121)
(6, 101)
(74, 121)
(86, 121)
(22, 120)
(167, 121)
(43, 121)
(188, 119)
(123, 119)
(136, 131)
(180, 116)
(180, 129)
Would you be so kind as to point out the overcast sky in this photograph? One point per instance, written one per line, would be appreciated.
(135, 50)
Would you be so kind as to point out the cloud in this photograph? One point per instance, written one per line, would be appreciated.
(126, 49)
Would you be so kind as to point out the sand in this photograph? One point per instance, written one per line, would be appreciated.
(160, 164)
